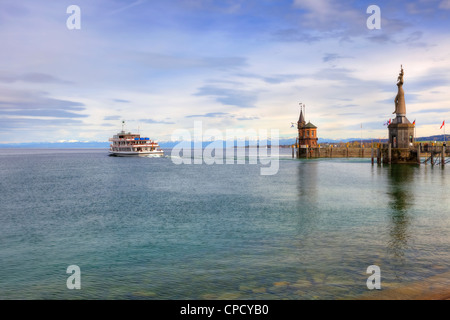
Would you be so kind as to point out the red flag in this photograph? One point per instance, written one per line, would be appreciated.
(443, 124)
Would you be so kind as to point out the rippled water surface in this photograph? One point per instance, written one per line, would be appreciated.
(145, 228)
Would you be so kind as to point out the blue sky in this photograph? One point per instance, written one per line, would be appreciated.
(161, 65)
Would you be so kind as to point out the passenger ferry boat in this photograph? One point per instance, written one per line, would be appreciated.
(132, 144)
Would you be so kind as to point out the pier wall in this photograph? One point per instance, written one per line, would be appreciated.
(379, 154)
(334, 152)
(399, 155)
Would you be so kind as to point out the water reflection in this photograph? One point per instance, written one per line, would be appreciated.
(307, 179)
(307, 195)
(400, 178)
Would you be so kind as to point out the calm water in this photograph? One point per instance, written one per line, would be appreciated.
(145, 228)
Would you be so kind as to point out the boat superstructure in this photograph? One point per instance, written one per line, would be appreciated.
(132, 144)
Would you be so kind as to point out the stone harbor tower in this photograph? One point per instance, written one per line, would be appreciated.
(400, 147)
(401, 131)
(307, 132)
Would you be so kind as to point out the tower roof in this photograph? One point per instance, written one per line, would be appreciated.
(302, 118)
(310, 125)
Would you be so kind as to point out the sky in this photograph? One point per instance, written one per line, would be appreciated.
(233, 64)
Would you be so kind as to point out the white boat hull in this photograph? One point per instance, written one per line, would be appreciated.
(134, 153)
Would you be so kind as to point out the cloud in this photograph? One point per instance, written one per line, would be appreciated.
(152, 121)
(112, 118)
(328, 15)
(121, 100)
(247, 118)
(272, 79)
(32, 124)
(432, 79)
(346, 21)
(33, 77)
(412, 39)
(348, 106)
(131, 5)
(339, 74)
(445, 4)
(178, 62)
(346, 114)
(189, 42)
(331, 57)
(380, 38)
(393, 25)
(209, 115)
(222, 115)
(426, 8)
(444, 110)
(42, 113)
(233, 97)
(42, 103)
(294, 35)
(37, 104)
(373, 125)
(23, 99)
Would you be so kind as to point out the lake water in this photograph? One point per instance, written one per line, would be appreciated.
(146, 228)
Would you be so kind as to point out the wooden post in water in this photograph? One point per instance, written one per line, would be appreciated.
(293, 151)
(418, 154)
(390, 153)
(432, 158)
(372, 155)
(378, 156)
(443, 156)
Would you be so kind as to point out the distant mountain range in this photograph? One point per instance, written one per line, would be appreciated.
(434, 138)
(171, 144)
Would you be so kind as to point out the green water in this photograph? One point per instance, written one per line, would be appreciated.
(145, 228)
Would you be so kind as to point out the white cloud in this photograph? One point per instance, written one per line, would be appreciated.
(330, 15)
(445, 4)
(238, 63)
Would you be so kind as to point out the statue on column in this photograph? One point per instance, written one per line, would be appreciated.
(400, 107)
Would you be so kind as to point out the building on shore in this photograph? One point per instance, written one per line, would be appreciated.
(307, 132)
(401, 131)
(400, 147)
